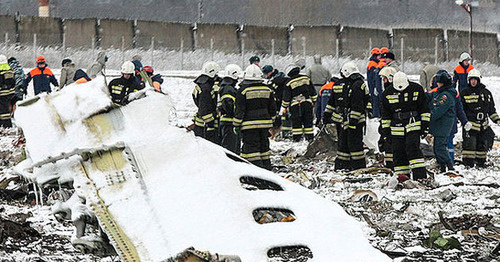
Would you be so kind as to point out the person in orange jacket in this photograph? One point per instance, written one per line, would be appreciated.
(155, 79)
(372, 74)
(461, 71)
(42, 77)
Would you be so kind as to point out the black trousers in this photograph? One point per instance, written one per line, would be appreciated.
(229, 140)
(5, 116)
(302, 121)
(474, 148)
(255, 147)
(350, 155)
(209, 134)
(408, 157)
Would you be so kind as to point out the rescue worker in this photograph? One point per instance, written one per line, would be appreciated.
(255, 111)
(390, 60)
(351, 112)
(98, 68)
(299, 97)
(225, 107)
(405, 118)
(121, 88)
(318, 74)
(478, 104)
(67, 73)
(277, 81)
(19, 76)
(371, 75)
(7, 92)
(385, 141)
(324, 97)
(378, 89)
(443, 116)
(427, 74)
(81, 77)
(138, 67)
(157, 80)
(205, 98)
(254, 60)
(461, 71)
(42, 77)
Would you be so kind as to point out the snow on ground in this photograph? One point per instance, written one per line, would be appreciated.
(407, 215)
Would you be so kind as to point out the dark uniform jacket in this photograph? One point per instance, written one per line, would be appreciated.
(478, 105)
(42, 77)
(298, 89)
(372, 72)
(7, 82)
(405, 111)
(357, 101)
(255, 106)
(336, 106)
(278, 81)
(120, 88)
(227, 95)
(205, 98)
(443, 111)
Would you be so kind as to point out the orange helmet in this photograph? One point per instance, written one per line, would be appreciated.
(375, 51)
(148, 69)
(384, 50)
(40, 59)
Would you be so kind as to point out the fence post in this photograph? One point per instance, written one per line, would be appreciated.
(436, 47)
(6, 40)
(92, 44)
(242, 53)
(370, 45)
(212, 48)
(123, 49)
(182, 53)
(304, 46)
(152, 51)
(64, 44)
(402, 54)
(337, 49)
(272, 52)
(34, 46)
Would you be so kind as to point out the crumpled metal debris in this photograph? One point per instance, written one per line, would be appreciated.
(192, 255)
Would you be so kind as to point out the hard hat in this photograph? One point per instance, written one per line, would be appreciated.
(40, 59)
(290, 68)
(474, 73)
(128, 68)
(400, 82)
(252, 72)
(267, 69)
(233, 71)
(384, 50)
(254, 59)
(388, 72)
(149, 69)
(210, 69)
(443, 77)
(375, 51)
(3, 59)
(348, 69)
(464, 56)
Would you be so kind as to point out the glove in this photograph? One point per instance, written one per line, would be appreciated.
(496, 122)
(468, 126)
(327, 120)
(318, 122)
(370, 114)
(237, 130)
(424, 134)
(277, 122)
(282, 111)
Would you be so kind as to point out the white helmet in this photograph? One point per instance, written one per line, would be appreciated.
(128, 68)
(348, 69)
(388, 72)
(474, 73)
(3, 59)
(465, 56)
(400, 82)
(210, 69)
(233, 71)
(301, 63)
(252, 72)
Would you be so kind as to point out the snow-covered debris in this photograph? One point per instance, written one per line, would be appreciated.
(157, 190)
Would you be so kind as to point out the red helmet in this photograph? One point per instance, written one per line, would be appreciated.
(384, 50)
(40, 59)
(375, 51)
(149, 69)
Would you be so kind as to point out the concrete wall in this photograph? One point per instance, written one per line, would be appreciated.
(8, 26)
(224, 37)
(166, 35)
(485, 45)
(48, 30)
(80, 32)
(318, 39)
(355, 42)
(419, 44)
(258, 40)
(112, 32)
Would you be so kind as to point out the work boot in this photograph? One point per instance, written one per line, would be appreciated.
(442, 168)
(450, 166)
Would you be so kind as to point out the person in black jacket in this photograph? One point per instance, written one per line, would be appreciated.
(255, 112)
(120, 88)
(205, 98)
(352, 111)
(478, 105)
(405, 118)
(277, 81)
(299, 96)
(225, 106)
(7, 92)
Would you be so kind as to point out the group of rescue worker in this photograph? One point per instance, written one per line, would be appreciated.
(230, 113)
(14, 82)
